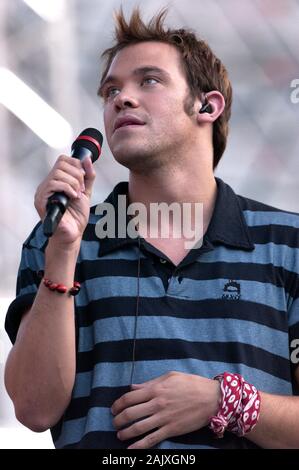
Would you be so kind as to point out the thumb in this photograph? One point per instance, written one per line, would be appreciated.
(90, 175)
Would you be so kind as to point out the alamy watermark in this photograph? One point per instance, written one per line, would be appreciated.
(295, 93)
(295, 353)
(159, 220)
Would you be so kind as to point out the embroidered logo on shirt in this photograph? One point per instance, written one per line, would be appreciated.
(232, 290)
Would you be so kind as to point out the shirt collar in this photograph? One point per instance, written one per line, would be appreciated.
(227, 225)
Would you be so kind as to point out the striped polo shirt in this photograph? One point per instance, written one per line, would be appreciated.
(230, 305)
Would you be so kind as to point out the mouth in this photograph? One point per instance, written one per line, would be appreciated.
(127, 123)
(128, 127)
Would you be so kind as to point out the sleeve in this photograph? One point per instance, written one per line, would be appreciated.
(294, 343)
(293, 312)
(32, 261)
(293, 288)
(294, 338)
(294, 320)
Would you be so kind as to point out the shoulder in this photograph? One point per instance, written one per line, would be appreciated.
(259, 214)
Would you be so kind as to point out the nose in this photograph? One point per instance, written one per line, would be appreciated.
(125, 100)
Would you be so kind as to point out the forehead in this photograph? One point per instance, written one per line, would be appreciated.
(155, 53)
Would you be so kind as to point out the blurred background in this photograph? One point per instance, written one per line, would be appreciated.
(49, 73)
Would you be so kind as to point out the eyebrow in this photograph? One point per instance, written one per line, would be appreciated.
(136, 72)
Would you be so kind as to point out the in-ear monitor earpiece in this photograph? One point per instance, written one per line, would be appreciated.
(206, 108)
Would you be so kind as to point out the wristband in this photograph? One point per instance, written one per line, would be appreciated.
(60, 288)
(239, 406)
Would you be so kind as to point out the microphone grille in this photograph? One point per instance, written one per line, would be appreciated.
(93, 133)
(90, 138)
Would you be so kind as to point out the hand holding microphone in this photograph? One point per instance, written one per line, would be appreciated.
(63, 198)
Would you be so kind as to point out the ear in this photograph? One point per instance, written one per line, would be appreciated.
(217, 105)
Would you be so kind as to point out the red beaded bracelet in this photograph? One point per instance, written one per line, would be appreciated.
(61, 288)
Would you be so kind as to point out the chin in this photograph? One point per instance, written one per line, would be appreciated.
(137, 161)
(129, 160)
(127, 151)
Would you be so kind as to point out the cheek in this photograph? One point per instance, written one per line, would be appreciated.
(170, 115)
(168, 105)
(108, 121)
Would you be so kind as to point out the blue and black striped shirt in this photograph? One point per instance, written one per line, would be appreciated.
(230, 305)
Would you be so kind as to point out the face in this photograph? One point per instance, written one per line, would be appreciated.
(144, 94)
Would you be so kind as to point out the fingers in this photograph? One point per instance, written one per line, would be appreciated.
(70, 171)
(79, 174)
(61, 186)
(133, 414)
(130, 399)
(151, 440)
(139, 428)
(90, 175)
(73, 182)
(69, 176)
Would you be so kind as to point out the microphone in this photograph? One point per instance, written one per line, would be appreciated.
(87, 144)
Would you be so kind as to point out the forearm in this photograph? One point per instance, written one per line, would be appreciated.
(278, 425)
(40, 370)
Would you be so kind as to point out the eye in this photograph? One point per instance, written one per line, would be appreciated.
(150, 81)
(111, 92)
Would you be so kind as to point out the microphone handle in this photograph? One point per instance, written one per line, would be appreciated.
(58, 202)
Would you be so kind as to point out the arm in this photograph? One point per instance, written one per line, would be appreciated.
(278, 425)
(40, 369)
(178, 403)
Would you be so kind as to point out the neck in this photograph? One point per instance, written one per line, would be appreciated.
(193, 181)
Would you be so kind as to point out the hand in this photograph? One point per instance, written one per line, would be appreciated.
(170, 405)
(75, 179)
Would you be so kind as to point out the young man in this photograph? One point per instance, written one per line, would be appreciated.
(132, 362)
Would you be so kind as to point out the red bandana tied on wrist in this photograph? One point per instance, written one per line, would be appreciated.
(239, 407)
